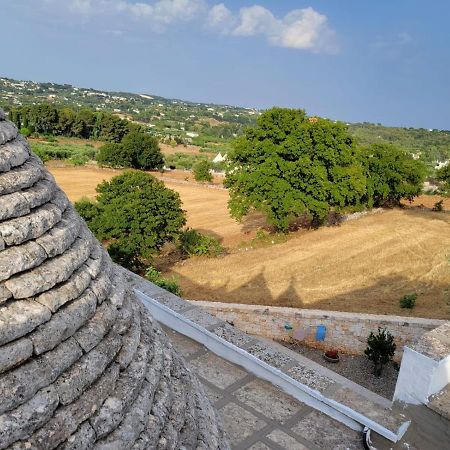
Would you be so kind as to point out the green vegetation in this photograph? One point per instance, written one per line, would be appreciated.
(391, 175)
(438, 206)
(299, 171)
(181, 160)
(443, 175)
(408, 301)
(431, 146)
(48, 119)
(380, 349)
(134, 214)
(288, 166)
(202, 171)
(169, 284)
(194, 243)
(137, 150)
(167, 119)
(77, 154)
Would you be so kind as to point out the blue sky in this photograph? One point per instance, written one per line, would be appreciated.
(379, 61)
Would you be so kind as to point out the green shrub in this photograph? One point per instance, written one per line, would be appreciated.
(439, 206)
(194, 243)
(79, 160)
(202, 171)
(137, 150)
(169, 284)
(380, 349)
(408, 301)
(25, 131)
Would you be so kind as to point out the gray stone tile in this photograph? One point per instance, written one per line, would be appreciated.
(217, 371)
(259, 446)
(269, 355)
(268, 400)
(239, 424)
(232, 335)
(310, 377)
(202, 318)
(172, 301)
(183, 345)
(369, 408)
(213, 395)
(285, 441)
(326, 433)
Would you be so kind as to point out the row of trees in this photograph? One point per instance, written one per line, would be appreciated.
(291, 166)
(63, 121)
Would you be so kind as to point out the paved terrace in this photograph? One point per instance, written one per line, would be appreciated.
(259, 415)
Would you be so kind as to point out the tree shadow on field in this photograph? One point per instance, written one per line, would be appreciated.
(381, 297)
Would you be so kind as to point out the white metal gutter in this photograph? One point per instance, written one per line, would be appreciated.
(262, 370)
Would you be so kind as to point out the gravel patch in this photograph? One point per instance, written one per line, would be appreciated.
(355, 368)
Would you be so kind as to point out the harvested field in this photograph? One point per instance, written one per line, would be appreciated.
(171, 150)
(428, 201)
(206, 207)
(365, 265)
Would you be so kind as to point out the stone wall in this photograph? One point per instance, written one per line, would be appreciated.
(346, 332)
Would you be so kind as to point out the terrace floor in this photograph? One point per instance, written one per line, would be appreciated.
(256, 415)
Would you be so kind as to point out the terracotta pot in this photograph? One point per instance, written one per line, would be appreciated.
(330, 359)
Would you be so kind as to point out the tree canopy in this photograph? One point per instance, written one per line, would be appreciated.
(64, 121)
(291, 165)
(392, 174)
(135, 214)
(202, 170)
(137, 150)
(443, 175)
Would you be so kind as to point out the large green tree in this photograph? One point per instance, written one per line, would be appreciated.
(290, 165)
(135, 214)
(392, 174)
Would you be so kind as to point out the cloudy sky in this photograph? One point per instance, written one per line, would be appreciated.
(380, 61)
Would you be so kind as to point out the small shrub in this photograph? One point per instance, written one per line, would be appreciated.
(202, 171)
(439, 206)
(79, 160)
(408, 301)
(193, 243)
(380, 349)
(169, 284)
(25, 131)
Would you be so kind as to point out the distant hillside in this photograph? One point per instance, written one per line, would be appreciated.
(430, 145)
(206, 125)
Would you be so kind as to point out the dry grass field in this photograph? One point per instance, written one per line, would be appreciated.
(206, 207)
(365, 265)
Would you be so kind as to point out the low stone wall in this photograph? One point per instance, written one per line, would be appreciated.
(346, 332)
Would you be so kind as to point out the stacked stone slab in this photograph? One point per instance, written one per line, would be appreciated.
(82, 364)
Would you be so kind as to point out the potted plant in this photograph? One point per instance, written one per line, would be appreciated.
(331, 356)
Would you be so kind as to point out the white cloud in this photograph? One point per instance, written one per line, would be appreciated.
(156, 13)
(255, 20)
(304, 29)
(402, 39)
(221, 19)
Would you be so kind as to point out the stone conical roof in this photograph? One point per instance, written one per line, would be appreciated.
(82, 364)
